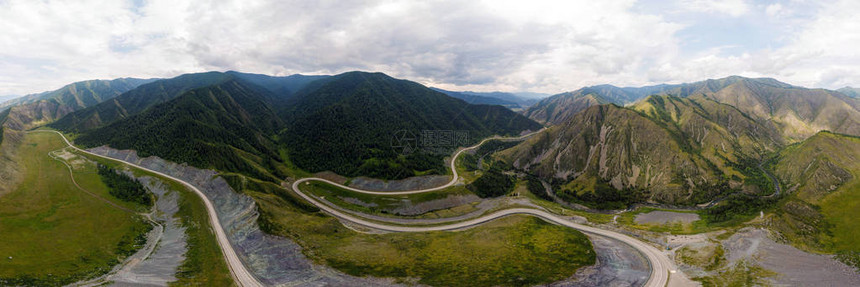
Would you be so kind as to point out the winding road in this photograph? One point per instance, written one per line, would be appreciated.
(240, 273)
(661, 265)
(453, 166)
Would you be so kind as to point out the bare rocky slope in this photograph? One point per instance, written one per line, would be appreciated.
(679, 150)
(797, 112)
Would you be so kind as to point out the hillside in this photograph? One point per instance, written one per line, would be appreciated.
(80, 94)
(5, 98)
(146, 96)
(797, 112)
(681, 150)
(31, 111)
(851, 92)
(226, 126)
(607, 148)
(559, 108)
(37, 109)
(822, 174)
(345, 124)
(348, 125)
(502, 99)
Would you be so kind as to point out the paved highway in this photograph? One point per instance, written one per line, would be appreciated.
(240, 274)
(661, 265)
(453, 169)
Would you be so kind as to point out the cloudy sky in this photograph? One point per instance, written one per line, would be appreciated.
(534, 45)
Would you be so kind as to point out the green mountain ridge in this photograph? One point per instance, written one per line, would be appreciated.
(146, 96)
(342, 123)
(822, 177)
(226, 126)
(347, 125)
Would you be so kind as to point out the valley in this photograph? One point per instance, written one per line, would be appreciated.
(63, 208)
(681, 178)
(395, 143)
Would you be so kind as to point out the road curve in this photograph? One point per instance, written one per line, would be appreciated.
(660, 263)
(453, 169)
(240, 273)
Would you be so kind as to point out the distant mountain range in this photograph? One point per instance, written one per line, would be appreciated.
(851, 92)
(34, 110)
(5, 98)
(509, 100)
(798, 112)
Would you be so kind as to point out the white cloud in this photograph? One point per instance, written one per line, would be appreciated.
(733, 8)
(774, 10)
(546, 46)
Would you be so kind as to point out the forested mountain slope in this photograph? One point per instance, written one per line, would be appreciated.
(146, 96)
(226, 126)
(822, 178)
(347, 125)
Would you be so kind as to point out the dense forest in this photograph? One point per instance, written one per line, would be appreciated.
(350, 124)
(494, 182)
(736, 206)
(123, 186)
(254, 125)
(225, 127)
(603, 196)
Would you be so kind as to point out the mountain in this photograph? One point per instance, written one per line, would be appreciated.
(509, 97)
(227, 126)
(349, 124)
(80, 94)
(37, 109)
(851, 92)
(797, 112)
(149, 95)
(282, 86)
(822, 175)
(509, 100)
(344, 123)
(34, 110)
(5, 98)
(561, 107)
(531, 95)
(483, 98)
(663, 149)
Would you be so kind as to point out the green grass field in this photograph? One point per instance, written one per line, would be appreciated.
(52, 233)
(513, 251)
(842, 211)
(204, 263)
